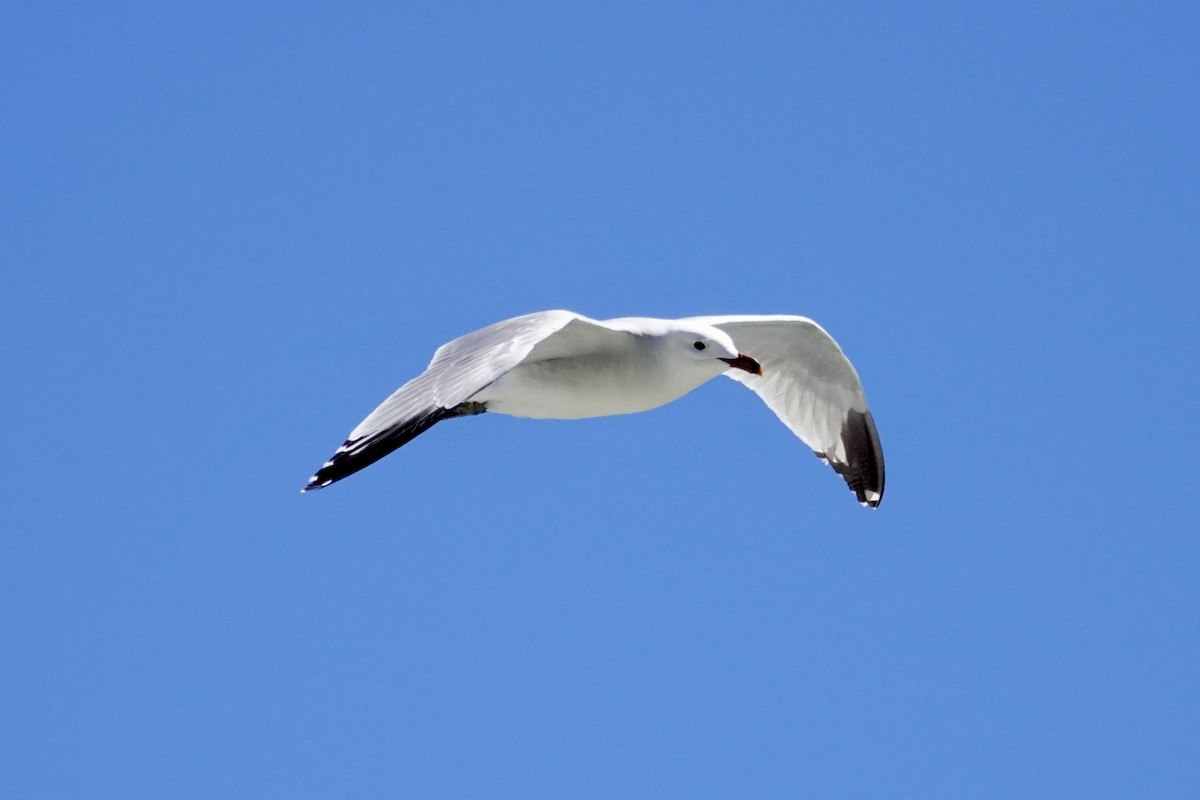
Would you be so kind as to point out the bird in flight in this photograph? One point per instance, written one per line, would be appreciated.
(562, 365)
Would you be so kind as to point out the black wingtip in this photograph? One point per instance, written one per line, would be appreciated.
(356, 454)
(863, 470)
(332, 470)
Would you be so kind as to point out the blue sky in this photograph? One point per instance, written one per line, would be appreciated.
(228, 232)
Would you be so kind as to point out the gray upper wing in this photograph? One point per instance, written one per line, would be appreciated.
(458, 370)
(463, 366)
(814, 390)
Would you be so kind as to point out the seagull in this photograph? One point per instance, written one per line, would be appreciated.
(562, 365)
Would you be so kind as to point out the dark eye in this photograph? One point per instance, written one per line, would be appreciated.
(698, 345)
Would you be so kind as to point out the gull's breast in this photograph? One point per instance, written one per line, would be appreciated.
(576, 388)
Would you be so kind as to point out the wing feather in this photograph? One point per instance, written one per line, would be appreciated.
(458, 370)
(814, 390)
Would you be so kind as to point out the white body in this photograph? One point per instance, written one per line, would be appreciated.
(623, 374)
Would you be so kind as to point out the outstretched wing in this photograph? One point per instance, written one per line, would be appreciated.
(812, 387)
(459, 369)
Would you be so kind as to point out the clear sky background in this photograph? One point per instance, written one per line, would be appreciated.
(228, 231)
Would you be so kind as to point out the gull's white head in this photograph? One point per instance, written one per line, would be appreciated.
(711, 348)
